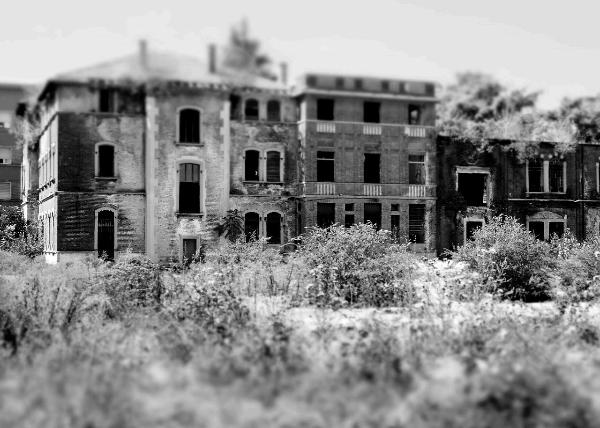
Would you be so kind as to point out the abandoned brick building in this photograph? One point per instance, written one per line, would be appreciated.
(547, 190)
(148, 152)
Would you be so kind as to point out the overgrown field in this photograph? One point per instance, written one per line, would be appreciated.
(350, 331)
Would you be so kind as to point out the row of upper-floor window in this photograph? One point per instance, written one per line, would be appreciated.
(372, 112)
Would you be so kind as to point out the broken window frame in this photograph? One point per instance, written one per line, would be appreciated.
(416, 224)
(476, 170)
(374, 219)
(547, 219)
(325, 166)
(180, 196)
(251, 109)
(321, 207)
(255, 233)
(263, 165)
(99, 167)
(468, 220)
(108, 100)
(414, 165)
(189, 129)
(545, 176)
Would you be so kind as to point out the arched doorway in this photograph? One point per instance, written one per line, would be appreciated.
(274, 228)
(106, 234)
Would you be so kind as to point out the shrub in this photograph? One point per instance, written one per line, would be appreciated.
(511, 261)
(16, 235)
(357, 265)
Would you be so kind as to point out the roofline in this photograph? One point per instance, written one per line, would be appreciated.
(353, 76)
(363, 94)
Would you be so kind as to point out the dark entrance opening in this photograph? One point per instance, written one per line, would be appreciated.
(189, 250)
(106, 234)
(325, 214)
(373, 214)
(274, 228)
(371, 168)
(473, 188)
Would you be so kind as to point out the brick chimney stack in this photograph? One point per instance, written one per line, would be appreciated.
(143, 46)
(212, 58)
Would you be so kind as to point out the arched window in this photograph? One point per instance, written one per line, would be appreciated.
(189, 126)
(189, 188)
(273, 111)
(251, 109)
(106, 232)
(105, 160)
(274, 228)
(251, 226)
(274, 166)
(252, 165)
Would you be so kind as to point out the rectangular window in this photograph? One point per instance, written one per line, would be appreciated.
(189, 188)
(416, 223)
(372, 168)
(371, 111)
(471, 227)
(535, 174)
(414, 115)
(106, 158)
(273, 167)
(537, 228)
(325, 109)
(349, 207)
(555, 171)
(348, 220)
(339, 83)
(358, 84)
(325, 214)
(416, 169)
(373, 214)
(251, 165)
(325, 166)
(189, 249)
(395, 225)
(107, 101)
(473, 188)
(385, 85)
(556, 228)
(395, 207)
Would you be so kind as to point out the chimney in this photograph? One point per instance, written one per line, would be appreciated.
(284, 73)
(212, 58)
(143, 54)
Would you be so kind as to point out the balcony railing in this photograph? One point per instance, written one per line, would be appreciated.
(415, 131)
(326, 127)
(407, 191)
(372, 129)
(362, 128)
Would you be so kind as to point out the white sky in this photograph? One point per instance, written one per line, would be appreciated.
(543, 45)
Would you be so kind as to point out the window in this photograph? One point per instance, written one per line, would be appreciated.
(252, 165)
(339, 83)
(358, 84)
(325, 109)
(373, 214)
(535, 174)
(416, 169)
(385, 85)
(274, 166)
(106, 232)
(189, 188)
(416, 223)
(5, 156)
(537, 228)
(348, 220)
(252, 226)
(471, 226)
(473, 188)
(556, 228)
(349, 207)
(273, 111)
(371, 112)
(395, 225)
(546, 176)
(189, 126)
(371, 168)
(105, 160)
(546, 224)
(395, 207)
(325, 214)
(189, 248)
(107, 101)
(5, 190)
(273, 227)
(414, 115)
(325, 166)
(251, 109)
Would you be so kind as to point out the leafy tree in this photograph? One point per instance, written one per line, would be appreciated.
(232, 225)
(584, 114)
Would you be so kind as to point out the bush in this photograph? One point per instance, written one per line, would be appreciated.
(357, 265)
(16, 235)
(511, 261)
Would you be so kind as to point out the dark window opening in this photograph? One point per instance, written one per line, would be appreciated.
(371, 168)
(349, 207)
(273, 167)
(106, 161)
(358, 84)
(416, 169)
(106, 234)
(274, 228)
(107, 102)
(339, 83)
(414, 115)
(251, 165)
(473, 188)
(556, 228)
(555, 170)
(326, 166)
(348, 220)
(251, 226)
(385, 85)
(535, 174)
(371, 112)
(189, 126)
(471, 227)
(273, 111)
(189, 250)
(311, 80)
(189, 188)
(235, 107)
(325, 109)
(395, 207)
(395, 225)
(416, 223)
(325, 214)
(251, 109)
(373, 214)
(537, 228)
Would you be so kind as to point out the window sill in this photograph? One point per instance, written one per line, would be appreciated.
(178, 143)
(196, 215)
(545, 193)
(277, 183)
(105, 178)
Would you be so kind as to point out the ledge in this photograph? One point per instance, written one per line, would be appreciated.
(200, 144)
(193, 215)
(264, 183)
(105, 178)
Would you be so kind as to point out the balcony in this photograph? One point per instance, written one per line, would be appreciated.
(407, 191)
(326, 127)
(362, 128)
(371, 129)
(415, 131)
